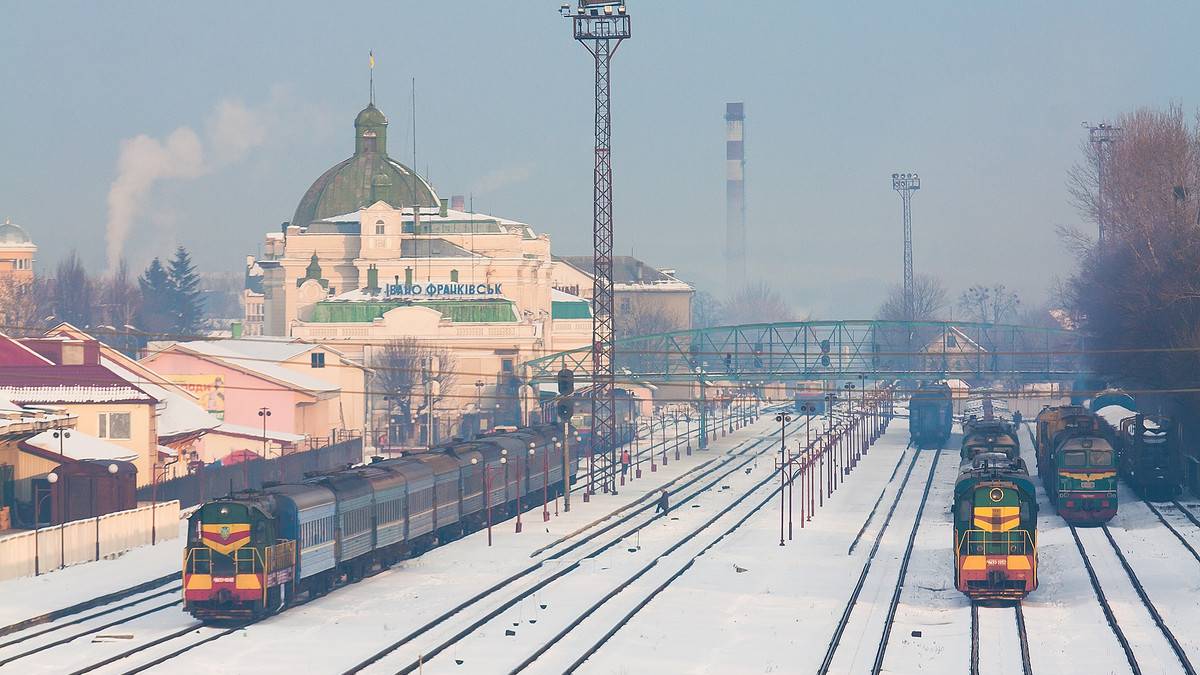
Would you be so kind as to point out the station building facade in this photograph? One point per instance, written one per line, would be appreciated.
(373, 256)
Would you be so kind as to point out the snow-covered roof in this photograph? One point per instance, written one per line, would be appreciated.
(72, 394)
(562, 296)
(261, 356)
(176, 413)
(78, 445)
(257, 432)
(1113, 414)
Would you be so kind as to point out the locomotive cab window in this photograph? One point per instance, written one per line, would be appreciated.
(1101, 457)
(1074, 458)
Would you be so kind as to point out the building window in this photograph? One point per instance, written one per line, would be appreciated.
(454, 276)
(408, 276)
(506, 366)
(114, 425)
(379, 227)
(318, 359)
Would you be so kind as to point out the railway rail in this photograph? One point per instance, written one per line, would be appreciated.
(745, 455)
(79, 608)
(890, 619)
(844, 619)
(1022, 636)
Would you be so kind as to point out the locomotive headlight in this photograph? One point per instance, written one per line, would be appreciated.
(996, 494)
(224, 510)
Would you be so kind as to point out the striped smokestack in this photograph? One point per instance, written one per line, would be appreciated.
(735, 196)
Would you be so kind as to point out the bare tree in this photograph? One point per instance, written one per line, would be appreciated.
(757, 303)
(706, 310)
(74, 294)
(1138, 295)
(26, 306)
(983, 304)
(929, 300)
(120, 301)
(402, 371)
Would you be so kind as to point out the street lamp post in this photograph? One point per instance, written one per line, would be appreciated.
(521, 488)
(61, 435)
(487, 495)
(557, 447)
(479, 395)
(783, 419)
(703, 409)
(675, 417)
(850, 387)
(653, 465)
(545, 483)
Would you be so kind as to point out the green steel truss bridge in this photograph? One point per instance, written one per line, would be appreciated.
(837, 350)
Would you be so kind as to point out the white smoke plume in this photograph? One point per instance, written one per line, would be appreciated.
(231, 132)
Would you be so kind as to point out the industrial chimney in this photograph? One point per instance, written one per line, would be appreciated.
(735, 196)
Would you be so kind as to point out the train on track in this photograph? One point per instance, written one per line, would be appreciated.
(930, 415)
(988, 428)
(995, 528)
(253, 553)
(1077, 464)
(1148, 447)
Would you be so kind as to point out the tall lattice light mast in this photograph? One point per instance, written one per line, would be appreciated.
(1102, 138)
(600, 26)
(906, 184)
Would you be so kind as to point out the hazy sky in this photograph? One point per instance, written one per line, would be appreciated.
(206, 123)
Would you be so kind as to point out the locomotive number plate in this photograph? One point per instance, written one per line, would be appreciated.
(1087, 484)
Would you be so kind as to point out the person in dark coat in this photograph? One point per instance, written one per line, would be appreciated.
(664, 503)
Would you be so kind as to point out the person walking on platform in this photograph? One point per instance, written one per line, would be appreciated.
(664, 503)
(624, 462)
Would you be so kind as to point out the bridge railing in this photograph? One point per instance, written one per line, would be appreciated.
(814, 350)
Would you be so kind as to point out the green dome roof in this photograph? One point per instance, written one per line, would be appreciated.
(367, 177)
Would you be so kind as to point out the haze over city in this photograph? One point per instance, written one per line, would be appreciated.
(984, 101)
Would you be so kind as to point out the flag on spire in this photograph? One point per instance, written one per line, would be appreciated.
(371, 55)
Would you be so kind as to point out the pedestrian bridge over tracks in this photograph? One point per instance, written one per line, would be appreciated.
(836, 350)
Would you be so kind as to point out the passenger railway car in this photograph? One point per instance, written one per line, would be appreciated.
(995, 528)
(1077, 465)
(1147, 446)
(930, 415)
(252, 553)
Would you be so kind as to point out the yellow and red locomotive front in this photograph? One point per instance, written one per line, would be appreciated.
(995, 536)
(233, 567)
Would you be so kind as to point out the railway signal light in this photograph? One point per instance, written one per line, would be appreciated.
(566, 381)
(824, 352)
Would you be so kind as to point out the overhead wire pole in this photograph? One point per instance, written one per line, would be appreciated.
(600, 26)
(1102, 138)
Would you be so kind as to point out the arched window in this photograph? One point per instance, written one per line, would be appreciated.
(454, 276)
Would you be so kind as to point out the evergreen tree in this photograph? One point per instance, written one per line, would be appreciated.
(188, 306)
(157, 315)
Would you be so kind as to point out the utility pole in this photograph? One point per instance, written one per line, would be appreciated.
(1102, 138)
(906, 184)
(601, 26)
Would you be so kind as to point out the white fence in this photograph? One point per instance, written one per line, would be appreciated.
(40, 551)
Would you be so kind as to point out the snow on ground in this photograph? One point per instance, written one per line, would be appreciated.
(32, 596)
(930, 604)
(777, 615)
(334, 632)
(1168, 572)
(999, 641)
(1064, 597)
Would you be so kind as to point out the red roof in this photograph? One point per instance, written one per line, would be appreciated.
(66, 384)
(13, 353)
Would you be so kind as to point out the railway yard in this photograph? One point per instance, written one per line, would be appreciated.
(864, 582)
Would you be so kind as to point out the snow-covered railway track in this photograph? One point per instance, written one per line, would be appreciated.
(844, 621)
(617, 607)
(1144, 636)
(1173, 530)
(461, 622)
(81, 607)
(999, 642)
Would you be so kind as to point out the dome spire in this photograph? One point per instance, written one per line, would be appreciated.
(371, 67)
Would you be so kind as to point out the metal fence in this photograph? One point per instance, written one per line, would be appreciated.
(50, 548)
(213, 481)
